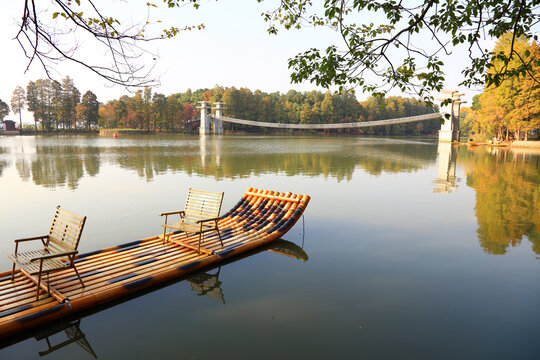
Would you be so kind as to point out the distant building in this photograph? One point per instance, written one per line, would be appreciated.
(8, 125)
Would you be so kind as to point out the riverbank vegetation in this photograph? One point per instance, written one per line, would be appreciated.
(509, 109)
(59, 107)
(177, 112)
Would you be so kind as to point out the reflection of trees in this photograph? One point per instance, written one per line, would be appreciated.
(233, 163)
(52, 166)
(3, 162)
(221, 158)
(507, 197)
(395, 158)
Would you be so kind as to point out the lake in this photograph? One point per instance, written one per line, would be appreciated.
(408, 248)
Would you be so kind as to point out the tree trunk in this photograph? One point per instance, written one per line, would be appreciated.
(526, 136)
(20, 120)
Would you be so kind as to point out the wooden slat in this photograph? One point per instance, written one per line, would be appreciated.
(282, 198)
(191, 246)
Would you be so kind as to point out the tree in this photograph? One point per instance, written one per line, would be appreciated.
(18, 100)
(146, 110)
(39, 100)
(513, 105)
(4, 110)
(71, 97)
(43, 37)
(401, 52)
(88, 109)
(159, 110)
(32, 101)
(106, 116)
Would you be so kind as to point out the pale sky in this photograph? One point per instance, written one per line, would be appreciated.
(233, 50)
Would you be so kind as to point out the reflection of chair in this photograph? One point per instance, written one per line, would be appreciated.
(73, 333)
(200, 215)
(207, 284)
(58, 252)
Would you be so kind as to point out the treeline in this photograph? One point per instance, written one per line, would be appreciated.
(511, 110)
(178, 112)
(56, 105)
(59, 106)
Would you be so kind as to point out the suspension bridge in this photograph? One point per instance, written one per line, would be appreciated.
(448, 133)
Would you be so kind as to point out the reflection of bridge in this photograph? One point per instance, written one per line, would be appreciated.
(449, 112)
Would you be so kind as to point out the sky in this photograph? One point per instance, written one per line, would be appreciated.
(234, 49)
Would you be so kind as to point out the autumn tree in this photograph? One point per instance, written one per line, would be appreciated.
(513, 105)
(88, 109)
(106, 116)
(18, 100)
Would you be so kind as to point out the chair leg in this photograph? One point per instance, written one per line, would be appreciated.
(13, 273)
(79, 276)
(164, 232)
(200, 238)
(38, 286)
(219, 234)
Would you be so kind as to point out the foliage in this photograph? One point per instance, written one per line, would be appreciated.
(177, 112)
(87, 110)
(4, 110)
(514, 105)
(18, 100)
(507, 197)
(405, 50)
(53, 104)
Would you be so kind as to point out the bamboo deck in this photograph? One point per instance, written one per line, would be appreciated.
(260, 217)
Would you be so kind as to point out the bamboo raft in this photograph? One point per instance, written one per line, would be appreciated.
(261, 216)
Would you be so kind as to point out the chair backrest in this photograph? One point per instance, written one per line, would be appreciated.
(202, 205)
(65, 230)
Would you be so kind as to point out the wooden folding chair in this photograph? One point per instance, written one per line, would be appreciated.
(200, 215)
(58, 251)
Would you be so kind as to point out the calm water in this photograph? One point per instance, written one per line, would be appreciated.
(408, 249)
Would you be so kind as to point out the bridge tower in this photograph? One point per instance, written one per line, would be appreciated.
(450, 128)
(205, 118)
(218, 113)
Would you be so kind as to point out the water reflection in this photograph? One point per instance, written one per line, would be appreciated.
(52, 164)
(73, 334)
(204, 283)
(3, 160)
(507, 196)
(446, 180)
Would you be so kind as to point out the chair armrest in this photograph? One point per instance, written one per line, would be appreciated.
(172, 213)
(32, 238)
(50, 256)
(210, 219)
